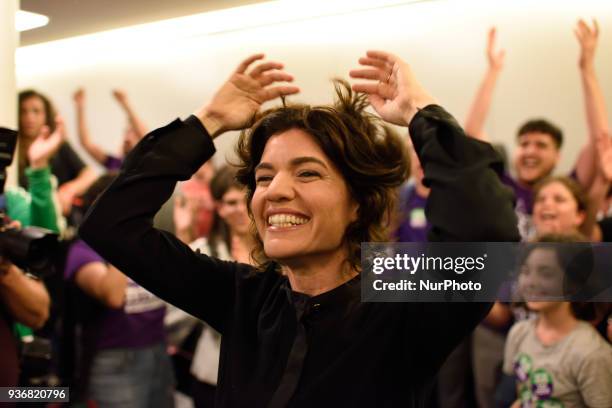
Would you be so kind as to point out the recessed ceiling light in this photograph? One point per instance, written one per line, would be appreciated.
(26, 20)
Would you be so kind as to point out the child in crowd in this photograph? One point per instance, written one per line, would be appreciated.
(557, 359)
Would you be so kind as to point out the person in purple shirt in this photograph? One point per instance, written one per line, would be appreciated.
(412, 223)
(135, 130)
(126, 363)
(539, 141)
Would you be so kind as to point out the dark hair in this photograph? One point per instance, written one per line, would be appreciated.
(577, 260)
(542, 126)
(49, 109)
(223, 180)
(572, 185)
(372, 159)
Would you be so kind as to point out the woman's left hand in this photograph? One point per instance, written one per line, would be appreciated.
(397, 96)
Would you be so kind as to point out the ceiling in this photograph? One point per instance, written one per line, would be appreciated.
(70, 18)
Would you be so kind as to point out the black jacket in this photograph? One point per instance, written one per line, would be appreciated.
(282, 348)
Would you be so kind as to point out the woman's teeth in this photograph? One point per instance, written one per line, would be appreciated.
(285, 220)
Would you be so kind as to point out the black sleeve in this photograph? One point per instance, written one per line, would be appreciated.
(119, 226)
(66, 164)
(467, 202)
(606, 229)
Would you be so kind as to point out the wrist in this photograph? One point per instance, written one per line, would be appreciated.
(417, 105)
(587, 68)
(211, 121)
(495, 69)
(39, 164)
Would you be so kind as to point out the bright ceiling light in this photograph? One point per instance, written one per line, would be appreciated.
(26, 20)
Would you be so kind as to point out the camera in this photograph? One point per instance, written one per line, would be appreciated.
(30, 248)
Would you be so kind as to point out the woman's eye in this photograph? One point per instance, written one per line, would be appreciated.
(308, 174)
(263, 179)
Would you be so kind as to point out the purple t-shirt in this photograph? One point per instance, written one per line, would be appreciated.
(113, 163)
(524, 205)
(139, 323)
(413, 225)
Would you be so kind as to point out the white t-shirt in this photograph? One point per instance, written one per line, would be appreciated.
(205, 364)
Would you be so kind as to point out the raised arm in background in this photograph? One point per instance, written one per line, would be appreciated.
(594, 102)
(136, 123)
(43, 210)
(477, 115)
(92, 148)
(600, 187)
(37, 206)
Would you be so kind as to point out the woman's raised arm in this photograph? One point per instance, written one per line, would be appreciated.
(119, 226)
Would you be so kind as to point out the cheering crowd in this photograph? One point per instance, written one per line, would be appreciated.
(254, 299)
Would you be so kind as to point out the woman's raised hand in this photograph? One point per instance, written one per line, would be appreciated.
(397, 95)
(240, 97)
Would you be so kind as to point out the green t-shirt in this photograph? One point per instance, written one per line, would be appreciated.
(35, 207)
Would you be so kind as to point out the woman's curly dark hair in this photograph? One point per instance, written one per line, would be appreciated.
(372, 159)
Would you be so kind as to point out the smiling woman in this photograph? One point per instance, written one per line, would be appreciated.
(320, 180)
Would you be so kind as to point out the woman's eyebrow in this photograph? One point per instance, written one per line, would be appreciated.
(264, 166)
(307, 159)
(293, 163)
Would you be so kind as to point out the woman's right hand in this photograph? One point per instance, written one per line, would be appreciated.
(397, 96)
(240, 97)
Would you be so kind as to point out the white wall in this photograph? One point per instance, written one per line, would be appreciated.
(443, 40)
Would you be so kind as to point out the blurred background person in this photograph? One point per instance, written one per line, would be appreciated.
(135, 130)
(539, 141)
(194, 195)
(73, 177)
(557, 359)
(124, 360)
(229, 239)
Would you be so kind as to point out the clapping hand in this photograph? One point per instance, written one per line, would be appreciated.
(46, 144)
